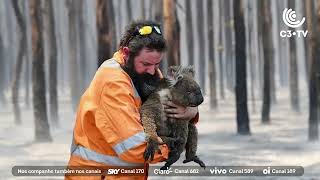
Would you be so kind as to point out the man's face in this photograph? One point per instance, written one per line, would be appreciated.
(147, 61)
(142, 70)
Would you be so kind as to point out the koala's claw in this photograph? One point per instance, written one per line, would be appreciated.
(152, 146)
(186, 161)
(148, 154)
(196, 160)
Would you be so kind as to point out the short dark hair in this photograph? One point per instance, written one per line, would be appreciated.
(135, 42)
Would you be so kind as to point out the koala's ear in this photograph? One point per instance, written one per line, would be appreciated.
(190, 70)
(179, 77)
(173, 70)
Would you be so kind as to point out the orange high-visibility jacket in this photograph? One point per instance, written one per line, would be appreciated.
(108, 130)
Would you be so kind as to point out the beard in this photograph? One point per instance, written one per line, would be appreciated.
(144, 83)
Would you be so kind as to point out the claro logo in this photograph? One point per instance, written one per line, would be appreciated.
(289, 17)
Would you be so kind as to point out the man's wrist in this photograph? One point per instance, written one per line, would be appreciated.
(196, 112)
(195, 119)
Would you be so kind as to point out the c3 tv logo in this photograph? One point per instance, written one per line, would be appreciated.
(289, 18)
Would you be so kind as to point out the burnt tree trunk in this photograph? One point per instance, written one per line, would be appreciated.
(314, 89)
(260, 51)
(2, 72)
(157, 9)
(157, 15)
(106, 30)
(144, 10)
(265, 8)
(308, 25)
(27, 50)
(212, 68)
(241, 76)
(273, 55)
(189, 32)
(260, 62)
(111, 18)
(284, 43)
(82, 45)
(201, 39)
(229, 45)
(53, 59)
(42, 130)
(220, 50)
(272, 77)
(276, 50)
(19, 62)
(129, 10)
(293, 73)
(171, 33)
(177, 40)
(73, 63)
(118, 14)
(252, 51)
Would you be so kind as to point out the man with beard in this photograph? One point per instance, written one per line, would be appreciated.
(108, 130)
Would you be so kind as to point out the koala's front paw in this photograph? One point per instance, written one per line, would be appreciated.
(152, 146)
(171, 142)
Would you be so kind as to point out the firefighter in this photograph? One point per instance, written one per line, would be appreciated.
(108, 131)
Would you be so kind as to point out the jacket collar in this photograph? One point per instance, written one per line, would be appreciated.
(119, 57)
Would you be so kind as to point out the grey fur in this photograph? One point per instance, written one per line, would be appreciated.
(182, 89)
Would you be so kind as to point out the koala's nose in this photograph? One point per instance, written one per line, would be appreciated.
(200, 99)
(199, 96)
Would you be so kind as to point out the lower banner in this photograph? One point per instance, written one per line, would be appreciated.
(155, 171)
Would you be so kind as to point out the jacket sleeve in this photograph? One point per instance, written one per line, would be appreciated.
(195, 120)
(118, 119)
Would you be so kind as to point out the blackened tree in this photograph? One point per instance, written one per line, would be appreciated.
(42, 129)
(241, 76)
(266, 28)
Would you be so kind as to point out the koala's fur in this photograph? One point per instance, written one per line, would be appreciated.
(177, 134)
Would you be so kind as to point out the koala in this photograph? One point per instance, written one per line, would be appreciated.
(183, 90)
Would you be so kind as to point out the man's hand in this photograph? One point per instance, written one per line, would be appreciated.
(179, 112)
